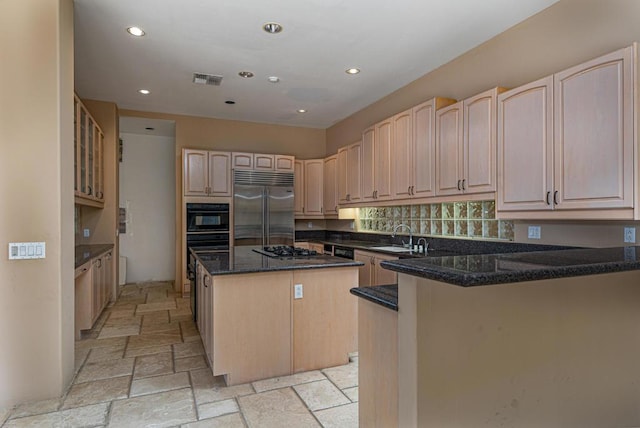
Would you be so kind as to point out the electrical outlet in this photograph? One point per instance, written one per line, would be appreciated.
(86, 233)
(630, 235)
(297, 291)
(310, 225)
(534, 232)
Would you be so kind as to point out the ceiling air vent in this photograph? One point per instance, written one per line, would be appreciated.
(207, 79)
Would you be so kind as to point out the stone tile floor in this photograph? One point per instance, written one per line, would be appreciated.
(143, 365)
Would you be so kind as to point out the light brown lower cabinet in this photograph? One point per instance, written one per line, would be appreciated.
(372, 273)
(92, 290)
(377, 365)
(257, 330)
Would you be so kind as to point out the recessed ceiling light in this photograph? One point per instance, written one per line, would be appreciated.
(245, 74)
(273, 79)
(136, 31)
(301, 110)
(352, 70)
(230, 102)
(272, 27)
(144, 91)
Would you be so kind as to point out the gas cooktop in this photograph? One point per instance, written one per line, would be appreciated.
(285, 251)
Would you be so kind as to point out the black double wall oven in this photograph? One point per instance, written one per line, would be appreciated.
(207, 235)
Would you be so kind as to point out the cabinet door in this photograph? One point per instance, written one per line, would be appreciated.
(593, 142)
(284, 163)
(354, 181)
(479, 154)
(219, 174)
(384, 276)
(382, 159)
(207, 322)
(449, 149)
(298, 188)
(82, 173)
(402, 155)
(368, 164)
(76, 145)
(91, 187)
(330, 186)
(195, 172)
(264, 162)
(525, 147)
(98, 163)
(342, 175)
(313, 193)
(424, 149)
(242, 160)
(364, 272)
(318, 248)
(96, 286)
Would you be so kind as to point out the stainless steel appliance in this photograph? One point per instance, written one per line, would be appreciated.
(207, 233)
(286, 251)
(263, 208)
(344, 252)
(207, 218)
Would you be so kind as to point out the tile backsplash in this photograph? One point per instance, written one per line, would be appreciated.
(471, 219)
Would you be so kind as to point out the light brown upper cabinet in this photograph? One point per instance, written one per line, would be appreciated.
(566, 143)
(263, 162)
(413, 152)
(466, 145)
(376, 161)
(349, 173)
(330, 186)
(298, 188)
(206, 173)
(308, 188)
(88, 158)
(313, 183)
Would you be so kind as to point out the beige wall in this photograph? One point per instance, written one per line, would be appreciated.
(36, 190)
(146, 172)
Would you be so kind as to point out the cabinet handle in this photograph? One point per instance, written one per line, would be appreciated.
(322, 210)
(90, 190)
(336, 209)
(459, 185)
(409, 190)
(555, 197)
(547, 198)
(373, 261)
(464, 183)
(412, 190)
(205, 281)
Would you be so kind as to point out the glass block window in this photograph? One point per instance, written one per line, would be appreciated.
(471, 219)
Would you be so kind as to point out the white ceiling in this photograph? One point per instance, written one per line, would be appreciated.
(393, 43)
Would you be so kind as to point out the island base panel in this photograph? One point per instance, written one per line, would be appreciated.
(552, 353)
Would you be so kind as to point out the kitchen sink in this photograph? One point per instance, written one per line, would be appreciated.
(392, 249)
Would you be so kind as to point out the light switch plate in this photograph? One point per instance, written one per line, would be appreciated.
(86, 233)
(534, 232)
(27, 250)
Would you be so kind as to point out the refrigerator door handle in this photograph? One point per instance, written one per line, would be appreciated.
(266, 233)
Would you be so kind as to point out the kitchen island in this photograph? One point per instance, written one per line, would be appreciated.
(525, 340)
(261, 317)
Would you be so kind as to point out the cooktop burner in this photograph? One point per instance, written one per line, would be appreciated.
(286, 251)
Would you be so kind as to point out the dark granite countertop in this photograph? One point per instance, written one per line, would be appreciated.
(438, 247)
(85, 253)
(383, 295)
(245, 260)
(487, 269)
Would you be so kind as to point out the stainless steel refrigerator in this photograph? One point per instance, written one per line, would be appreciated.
(263, 208)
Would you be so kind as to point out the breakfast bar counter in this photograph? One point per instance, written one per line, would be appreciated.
(529, 339)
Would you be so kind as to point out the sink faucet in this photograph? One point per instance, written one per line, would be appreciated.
(393, 235)
(426, 244)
